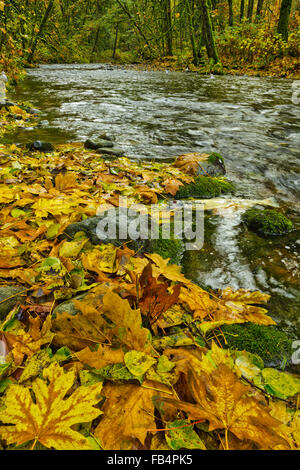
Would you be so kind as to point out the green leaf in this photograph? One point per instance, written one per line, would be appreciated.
(17, 213)
(280, 384)
(138, 362)
(62, 354)
(184, 437)
(52, 231)
(4, 384)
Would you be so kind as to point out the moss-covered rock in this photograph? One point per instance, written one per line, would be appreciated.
(269, 342)
(172, 249)
(205, 187)
(267, 221)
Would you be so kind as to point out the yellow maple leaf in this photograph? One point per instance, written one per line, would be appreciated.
(240, 307)
(169, 271)
(102, 357)
(128, 322)
(224, 401)
(49, 418)
(128, 414)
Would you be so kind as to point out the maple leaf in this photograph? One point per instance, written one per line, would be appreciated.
(222, 400)
(128, 322)
(190, 162)
(128, 414)
(85, 328)
(102, 357)
(240, 307)
(169, 271)
(155, 299)
(198, 301)
(101, 260)
(28, 343)
(172, 186)
(49, 418)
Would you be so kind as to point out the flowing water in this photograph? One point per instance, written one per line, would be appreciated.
(252, 122)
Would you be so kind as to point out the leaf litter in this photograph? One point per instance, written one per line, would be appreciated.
(131, 364)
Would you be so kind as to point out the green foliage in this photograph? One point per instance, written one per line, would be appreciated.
(205, 187)
(268, 342)
(267, 221)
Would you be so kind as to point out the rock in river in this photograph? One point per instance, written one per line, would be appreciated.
(41, 146)
(96, 144)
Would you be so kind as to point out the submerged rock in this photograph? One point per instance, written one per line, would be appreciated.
(267, 221)
(96, 144)
(205, 187)
(41, 146)
(10, 296)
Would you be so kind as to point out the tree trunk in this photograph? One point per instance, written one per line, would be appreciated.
(116, 41)
(242, 10)
(230, 12)
(250, 10)
(259, 8)
(168, 26)
(283, 23)
(40, 32)
(208, 32)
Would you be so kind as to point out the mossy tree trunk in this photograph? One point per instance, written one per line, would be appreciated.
(283, 23)
(208, 31)
(190, 6)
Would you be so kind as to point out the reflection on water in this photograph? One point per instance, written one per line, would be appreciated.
(251, 121)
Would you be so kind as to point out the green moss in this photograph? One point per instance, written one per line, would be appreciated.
(270, 343)
(172, 249)
(215, 158)
(267, 221)
(205, 187)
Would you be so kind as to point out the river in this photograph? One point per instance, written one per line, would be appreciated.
(251, 121)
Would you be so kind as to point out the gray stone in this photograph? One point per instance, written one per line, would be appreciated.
(9, 298)
(119, 218)
(105, 136)
(40, 146)
(68, 307)
(96, 144)
(109, 151)
(126, 221)
(214, 166)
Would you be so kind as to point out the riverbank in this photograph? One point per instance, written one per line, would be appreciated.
(288, 67)
(119, 320)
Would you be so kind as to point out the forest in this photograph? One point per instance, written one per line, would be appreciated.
(149, 228)
(253, 36)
